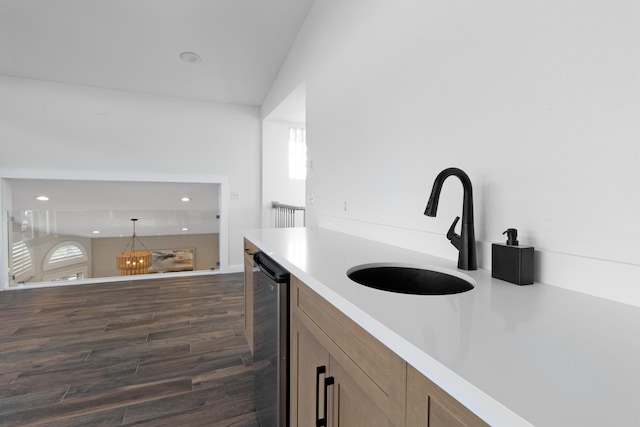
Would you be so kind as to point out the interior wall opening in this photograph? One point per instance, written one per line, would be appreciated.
(284, 163)
(61, 231)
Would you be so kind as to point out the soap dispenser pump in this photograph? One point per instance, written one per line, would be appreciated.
(512, 262)
(512, 236)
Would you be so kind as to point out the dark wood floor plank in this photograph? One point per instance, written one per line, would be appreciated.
(98, 403)
(37, 360)
(166, 351)
(68, 375)
(141, 352)
(237, 343)
(40, 398)
(12, 345)
(225, 400)
(107, 418)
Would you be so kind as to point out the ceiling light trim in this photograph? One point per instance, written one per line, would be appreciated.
(190, 57)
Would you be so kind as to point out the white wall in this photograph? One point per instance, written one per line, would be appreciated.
(104, 251)
(537, 101)
(276, 184)
(50, 130)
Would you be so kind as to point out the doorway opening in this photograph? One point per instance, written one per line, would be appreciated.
(284, 162)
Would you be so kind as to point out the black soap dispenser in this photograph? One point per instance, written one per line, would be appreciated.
(512, 262)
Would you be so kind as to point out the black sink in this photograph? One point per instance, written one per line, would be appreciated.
(408, 280)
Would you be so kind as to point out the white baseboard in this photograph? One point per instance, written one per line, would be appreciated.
(234, 269)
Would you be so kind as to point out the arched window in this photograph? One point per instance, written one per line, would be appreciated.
(21, 260)
(64, 254)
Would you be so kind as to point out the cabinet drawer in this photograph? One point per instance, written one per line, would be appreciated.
(249, 250)
(371, 361)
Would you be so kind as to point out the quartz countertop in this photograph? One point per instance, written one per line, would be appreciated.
(514, 355)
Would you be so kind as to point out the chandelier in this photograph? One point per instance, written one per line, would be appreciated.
(130, 261)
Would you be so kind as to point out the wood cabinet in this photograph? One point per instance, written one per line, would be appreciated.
(307, 359)
(428, 405)
(249, 265)
(320, 376)
(367, 384)
(369, 380)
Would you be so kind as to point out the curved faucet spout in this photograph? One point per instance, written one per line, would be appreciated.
(465, 242)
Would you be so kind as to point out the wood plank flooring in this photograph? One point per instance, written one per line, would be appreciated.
(157, 352)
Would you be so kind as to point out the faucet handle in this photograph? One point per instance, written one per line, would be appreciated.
(453, 237)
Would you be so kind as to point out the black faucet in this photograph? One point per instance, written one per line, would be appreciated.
(465, 242)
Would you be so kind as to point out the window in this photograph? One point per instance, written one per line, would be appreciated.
(63, 254)
(297, 153)
(20, 259)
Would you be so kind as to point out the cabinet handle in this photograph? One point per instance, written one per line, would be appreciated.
(320, 370)
(327, 382)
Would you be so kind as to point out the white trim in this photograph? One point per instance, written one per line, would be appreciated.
(235, 269)
(223, 236)
(5, 206)
(56, 276)
(100, 280)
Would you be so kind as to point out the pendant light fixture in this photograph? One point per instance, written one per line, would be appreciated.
(131, 262)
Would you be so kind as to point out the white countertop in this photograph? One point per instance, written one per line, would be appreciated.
(514, 355)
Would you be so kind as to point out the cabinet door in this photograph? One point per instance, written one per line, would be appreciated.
(307, 384)
(379, 372)
(430, 406)
(350, 405)
(249, 265)
(248, 300)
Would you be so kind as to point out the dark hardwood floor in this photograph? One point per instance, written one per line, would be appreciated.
(157, 352)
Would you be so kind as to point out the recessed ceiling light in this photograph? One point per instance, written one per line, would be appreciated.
(96, 231)
(190, 57)
(186, 199)
(185, 229)
(42, 198)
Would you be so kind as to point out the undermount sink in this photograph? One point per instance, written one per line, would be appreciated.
(408, 280)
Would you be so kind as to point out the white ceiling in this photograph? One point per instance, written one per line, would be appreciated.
(134, 45)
